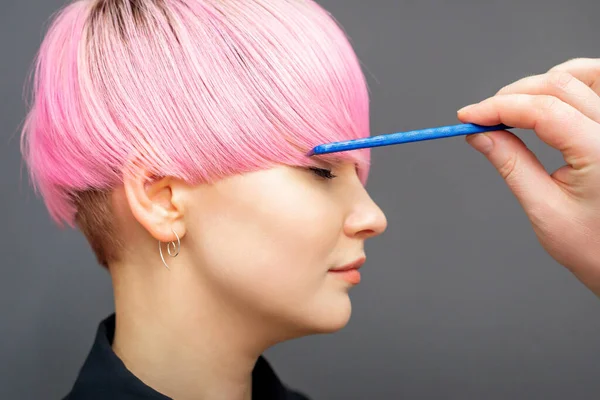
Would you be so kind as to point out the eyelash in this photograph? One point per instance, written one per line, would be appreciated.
(323, 173)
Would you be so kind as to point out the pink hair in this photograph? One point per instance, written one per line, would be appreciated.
(196, 89)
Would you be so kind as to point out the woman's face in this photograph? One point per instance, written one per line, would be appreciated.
(268, 241)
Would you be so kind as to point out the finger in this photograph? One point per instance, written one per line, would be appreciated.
(587, 70)
(556, 123)
(520, 168)
(562, 85)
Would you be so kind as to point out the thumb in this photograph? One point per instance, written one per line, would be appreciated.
(520, 168)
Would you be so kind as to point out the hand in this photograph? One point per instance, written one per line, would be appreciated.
(563, 108)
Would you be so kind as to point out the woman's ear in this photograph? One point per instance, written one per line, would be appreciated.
(156, 205)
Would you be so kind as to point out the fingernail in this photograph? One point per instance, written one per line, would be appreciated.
(465, 108)
(481, 142)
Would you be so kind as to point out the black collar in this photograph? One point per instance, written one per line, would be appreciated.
(104, 376)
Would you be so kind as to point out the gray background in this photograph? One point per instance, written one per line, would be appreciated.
(458, 300)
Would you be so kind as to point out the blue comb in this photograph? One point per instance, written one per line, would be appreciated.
(405, 137)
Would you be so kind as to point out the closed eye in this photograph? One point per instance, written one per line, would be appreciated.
(322, 172)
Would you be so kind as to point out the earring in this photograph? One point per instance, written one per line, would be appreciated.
(172, 253)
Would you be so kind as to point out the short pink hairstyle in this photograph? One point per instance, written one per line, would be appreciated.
(195, 89)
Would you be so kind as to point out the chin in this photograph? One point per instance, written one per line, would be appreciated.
(332, 315)
(327, 314)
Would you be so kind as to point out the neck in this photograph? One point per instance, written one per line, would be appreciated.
(178, 340)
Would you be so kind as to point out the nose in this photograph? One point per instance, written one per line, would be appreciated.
(366, 219)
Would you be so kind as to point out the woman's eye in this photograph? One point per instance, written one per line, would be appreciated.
(322, 172)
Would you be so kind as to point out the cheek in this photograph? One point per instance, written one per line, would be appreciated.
(279, 243)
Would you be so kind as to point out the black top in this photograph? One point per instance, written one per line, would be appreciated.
(104, 376)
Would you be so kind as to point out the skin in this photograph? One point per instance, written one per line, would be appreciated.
(562, 107)
(253, 271)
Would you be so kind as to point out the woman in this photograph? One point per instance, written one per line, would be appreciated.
(173, 134)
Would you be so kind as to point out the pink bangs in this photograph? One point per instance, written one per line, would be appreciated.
(196, 89)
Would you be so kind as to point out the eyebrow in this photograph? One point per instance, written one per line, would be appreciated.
(328, 159)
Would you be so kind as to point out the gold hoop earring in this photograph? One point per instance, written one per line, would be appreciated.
(172, 253)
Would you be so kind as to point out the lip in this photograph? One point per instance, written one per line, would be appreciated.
(351, 266)
(349, 272)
